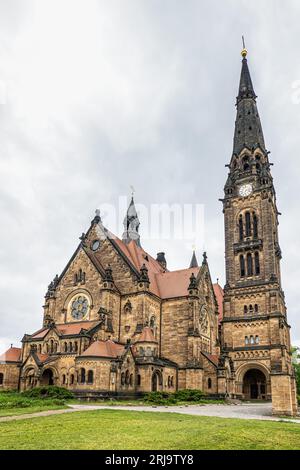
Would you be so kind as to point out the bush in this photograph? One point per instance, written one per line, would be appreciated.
(189, 395)
(48, 392)
(160, 398)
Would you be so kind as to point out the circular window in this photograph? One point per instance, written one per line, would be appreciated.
(95, 245)
(79, 307)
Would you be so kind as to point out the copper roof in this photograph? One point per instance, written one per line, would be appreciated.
(219, 293)
(11, 355)
(146, 336)
(104, 349)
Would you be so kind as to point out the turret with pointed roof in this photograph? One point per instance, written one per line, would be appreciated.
(194, 261)
(248, 129)
(131, 225)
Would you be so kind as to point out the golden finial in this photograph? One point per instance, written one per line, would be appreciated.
(244, 51)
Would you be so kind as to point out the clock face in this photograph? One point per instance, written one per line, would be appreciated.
(79, 307)
(245, 190)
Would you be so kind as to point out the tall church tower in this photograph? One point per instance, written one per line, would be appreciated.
(255, 331)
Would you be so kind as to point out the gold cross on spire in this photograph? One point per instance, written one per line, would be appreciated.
(244, 51)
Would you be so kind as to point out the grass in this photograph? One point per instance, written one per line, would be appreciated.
(14, 403)
(129, 430)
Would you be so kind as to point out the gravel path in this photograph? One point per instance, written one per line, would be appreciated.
(245, 411)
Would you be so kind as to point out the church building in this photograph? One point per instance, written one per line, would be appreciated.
(118, 323)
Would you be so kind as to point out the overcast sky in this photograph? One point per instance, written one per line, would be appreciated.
(100, 95)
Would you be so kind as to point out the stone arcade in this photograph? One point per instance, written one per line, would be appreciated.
(117, 322)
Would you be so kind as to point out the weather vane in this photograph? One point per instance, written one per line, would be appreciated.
(244, 51)
(132, 190)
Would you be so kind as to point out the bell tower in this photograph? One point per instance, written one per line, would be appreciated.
(255, 331)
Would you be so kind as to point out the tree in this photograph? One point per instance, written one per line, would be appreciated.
(296, 364)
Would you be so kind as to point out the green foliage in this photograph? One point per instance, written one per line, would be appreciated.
(189, 395)
(49, 392)
(41, 397)
(165, 398)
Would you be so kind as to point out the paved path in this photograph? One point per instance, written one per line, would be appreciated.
(260, 411)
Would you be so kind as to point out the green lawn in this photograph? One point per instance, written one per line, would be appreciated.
(30, 409)
(113, 429)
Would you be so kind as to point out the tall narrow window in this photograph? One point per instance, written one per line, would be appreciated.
(257, 265)
(248, 224)
(246, 340)
(245, 309)
(242, 266)
(255, 226)
(251, 309)
(251, 339)
(257, 339)
(63, 379)
(1, 379)
(241, 228)
(249, 265)
(82, 376)
(209, 383)
(72, 379)
(256, 308)
(90, 377)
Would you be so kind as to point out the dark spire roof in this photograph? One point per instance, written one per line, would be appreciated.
(248, 129)
(131, 225)
(194, 262)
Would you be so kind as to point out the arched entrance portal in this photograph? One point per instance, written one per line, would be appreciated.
(47, 377)
(157, 382)
(254, 385)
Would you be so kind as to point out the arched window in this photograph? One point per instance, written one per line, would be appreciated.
(123, 378)
(139, 380)
(172, 381)
(90, 377)
(1, 379)
(242, 266)
(63, 379)
(209, 383)
(241, 228)
(251, 309)
(47, 348)
(169, 382)
(251, 339)
(76, 346)
(255, 226)
(248, 224)
(257, 265)
(257, 339)
(40, 348)
(246, 340)
(82, 376)
(51, 346)
(131, 380)
(256, 308)
(70, 347)
(249, 265)
(127, 378)
(245, 309)
(72, 379)
(66, 347)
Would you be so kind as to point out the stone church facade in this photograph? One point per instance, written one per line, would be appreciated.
(117, 322)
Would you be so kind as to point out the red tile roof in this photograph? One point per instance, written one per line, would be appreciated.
(212, 357)
(40, 334)
(146, 336)
(66, 329)
(11, 355)
(75, 328)
(42, 357)
(104, 349)
(175, 284)
(219, 293)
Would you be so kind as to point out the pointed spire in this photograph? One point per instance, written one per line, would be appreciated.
(194, 261)
(204, 262)
(131, 225)
(248, 129)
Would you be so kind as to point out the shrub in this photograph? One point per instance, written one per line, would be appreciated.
(160, 398)
(189, 395)
(48, 392)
